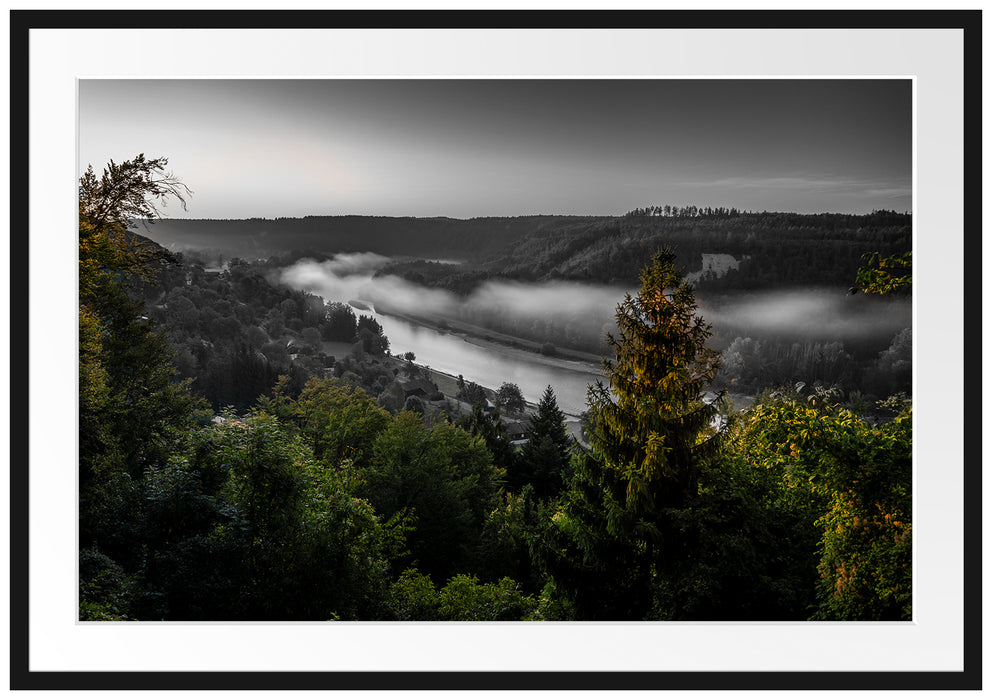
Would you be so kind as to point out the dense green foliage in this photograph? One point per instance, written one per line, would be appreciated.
(248, 525)
(803, 511)
(131, 413)
(881, 275)
(463, 598)
(854, 480)
(315, 496)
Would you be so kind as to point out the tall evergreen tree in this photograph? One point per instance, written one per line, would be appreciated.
(652, 425)
(617, 532)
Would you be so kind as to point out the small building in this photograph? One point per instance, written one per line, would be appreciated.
(518, 431)
(418, 387)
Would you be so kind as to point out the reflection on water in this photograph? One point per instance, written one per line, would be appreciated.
(490, 365)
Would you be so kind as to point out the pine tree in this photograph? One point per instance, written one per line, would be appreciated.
(651, 431)
(652, 426)
(545, 458)
(549, 421)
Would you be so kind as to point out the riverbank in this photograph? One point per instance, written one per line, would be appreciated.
(494, 340)
(448, 385)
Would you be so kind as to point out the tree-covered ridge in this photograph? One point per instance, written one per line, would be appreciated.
(775, 250)
(782, 249)
(318, 499)
(435, 237)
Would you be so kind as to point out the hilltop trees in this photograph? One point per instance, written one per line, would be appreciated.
(110, 255)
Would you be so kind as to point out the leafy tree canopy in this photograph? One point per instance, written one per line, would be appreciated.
(509, 397)
(880, 275)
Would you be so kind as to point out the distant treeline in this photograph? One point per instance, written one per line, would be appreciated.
(884, 217)
(439, 237)
(685, 211)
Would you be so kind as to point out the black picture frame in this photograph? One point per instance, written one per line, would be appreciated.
(23, 678)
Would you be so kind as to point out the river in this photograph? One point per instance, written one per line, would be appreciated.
(490, 364)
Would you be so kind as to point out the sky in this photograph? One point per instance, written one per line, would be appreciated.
(479, 147)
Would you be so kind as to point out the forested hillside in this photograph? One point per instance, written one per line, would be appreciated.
(294, 492)
(235, 332)
(775, 250)
(439, 237)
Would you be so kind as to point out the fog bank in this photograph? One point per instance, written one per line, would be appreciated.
(560, 310)
(572, 314)
(812, 314)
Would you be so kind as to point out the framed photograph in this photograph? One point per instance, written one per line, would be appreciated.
(711, 127)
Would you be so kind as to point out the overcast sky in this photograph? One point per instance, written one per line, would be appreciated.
(464, 148)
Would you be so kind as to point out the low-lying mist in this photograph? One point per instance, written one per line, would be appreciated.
(809, 314)
(577, 315)
(567, 313)
(350, 277)
(854, 343)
